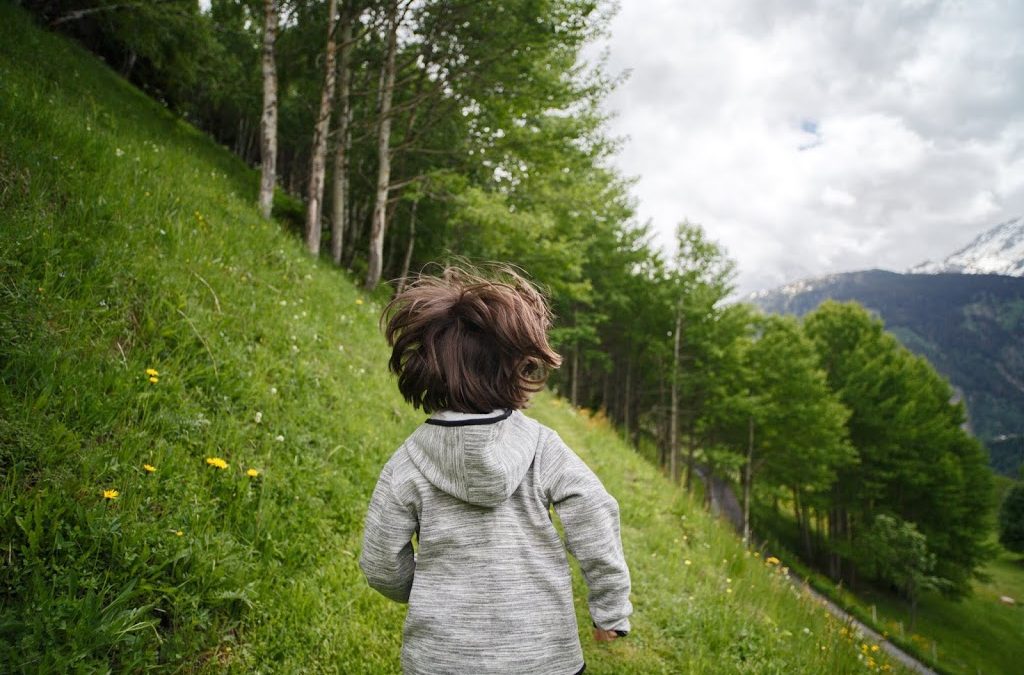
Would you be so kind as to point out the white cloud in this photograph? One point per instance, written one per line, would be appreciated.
(812, 137)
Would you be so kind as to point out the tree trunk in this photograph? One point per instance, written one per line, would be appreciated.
(404, 278)
(691, 453)
(380, 207)
(318, 152)
(575, 375)
(673, 433)
(339, 182)
(806, 531)
(627, 393)
(268, 121)
(748, 474)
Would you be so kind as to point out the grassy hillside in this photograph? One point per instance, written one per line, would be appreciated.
(194, 413)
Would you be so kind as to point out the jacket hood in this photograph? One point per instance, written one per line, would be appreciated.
(478, 463)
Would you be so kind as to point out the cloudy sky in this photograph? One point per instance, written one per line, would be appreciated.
(816, 137)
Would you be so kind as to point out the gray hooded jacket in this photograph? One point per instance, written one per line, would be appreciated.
(489, 589)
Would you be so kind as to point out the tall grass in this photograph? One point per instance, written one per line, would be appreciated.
(129, 243)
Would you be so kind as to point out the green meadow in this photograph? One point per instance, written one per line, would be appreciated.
(194, 413)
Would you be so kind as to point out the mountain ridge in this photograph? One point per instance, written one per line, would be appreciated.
(999, 250)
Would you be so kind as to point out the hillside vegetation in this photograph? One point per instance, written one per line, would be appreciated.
(194, 413)
(968, 326)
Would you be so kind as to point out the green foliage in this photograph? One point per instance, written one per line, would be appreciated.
(1011, 520)
(968, 327)
(914, 458)
(799, 425)
(894, 551)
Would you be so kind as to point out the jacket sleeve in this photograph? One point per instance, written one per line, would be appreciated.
(590, 517)
(387, 558)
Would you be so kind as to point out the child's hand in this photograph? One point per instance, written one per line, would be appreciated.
(601, 635)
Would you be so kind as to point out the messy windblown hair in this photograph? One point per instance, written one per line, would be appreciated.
(468, 343)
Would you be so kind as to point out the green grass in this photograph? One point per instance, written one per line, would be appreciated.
(977, 634)
(129, 241)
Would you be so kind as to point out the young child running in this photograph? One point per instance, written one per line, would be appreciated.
(488, 588)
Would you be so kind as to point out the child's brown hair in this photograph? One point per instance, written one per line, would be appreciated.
(468, 343)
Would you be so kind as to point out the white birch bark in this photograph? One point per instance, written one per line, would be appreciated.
(404, 279)
(318, 158)
(339, 184)
(375, 258)
(268, 121)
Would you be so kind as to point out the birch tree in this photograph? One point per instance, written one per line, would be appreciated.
(318, 153)
(375, 257)
(268, 120)
(339, 183)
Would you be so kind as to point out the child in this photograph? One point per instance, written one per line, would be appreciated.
(489, 588)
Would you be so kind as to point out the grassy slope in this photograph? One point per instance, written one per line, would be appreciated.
(129, 241)
(977, 634)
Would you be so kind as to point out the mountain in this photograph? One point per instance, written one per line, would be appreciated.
(969, 326)
(997, 251)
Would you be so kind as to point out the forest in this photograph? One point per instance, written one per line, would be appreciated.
(398, 135)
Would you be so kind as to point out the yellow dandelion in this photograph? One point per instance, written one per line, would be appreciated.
(874, 648)
(111, 494)
(154, 379)
(149, 468)
(152, 372)
(179, 533)
(772, 560)
(217, 462)
(687, 562)
(359, 301)
(252, 473)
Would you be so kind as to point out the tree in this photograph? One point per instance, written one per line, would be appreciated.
(699, 278)
(343, 137)
(894, 551)
(914, 458)
(1011, 520)
(375, 259)
(795, 427)
(318, 154)
(268, 120)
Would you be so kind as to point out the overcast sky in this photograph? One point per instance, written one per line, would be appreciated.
(816, 137)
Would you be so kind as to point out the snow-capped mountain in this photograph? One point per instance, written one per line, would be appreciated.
(998, 251)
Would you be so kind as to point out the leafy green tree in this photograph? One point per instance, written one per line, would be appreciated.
(795, 426)
(914, 458)
(1011, 520)
(892, 550)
